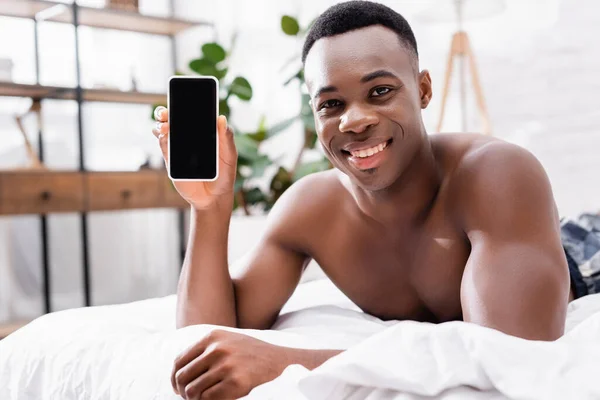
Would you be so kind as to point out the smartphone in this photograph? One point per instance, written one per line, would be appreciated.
(193, 147)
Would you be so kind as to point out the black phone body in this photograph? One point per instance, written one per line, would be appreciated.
(193, 146)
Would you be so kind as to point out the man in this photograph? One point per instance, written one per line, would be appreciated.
(408, 225)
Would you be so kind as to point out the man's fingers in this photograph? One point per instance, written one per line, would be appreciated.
(161, 131)
(219, 391)
(161, 114)
(227, 149)
(160, 128)
(195, 388)
(195, 369)
(186, 357)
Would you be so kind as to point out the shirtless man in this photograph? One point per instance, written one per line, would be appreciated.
(408, 225)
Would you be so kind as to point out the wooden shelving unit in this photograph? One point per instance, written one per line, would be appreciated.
(66, 93)
(96, 17)
(35, 91)
(127, 20)
(44, 192)
(116, 96)
(23, 9)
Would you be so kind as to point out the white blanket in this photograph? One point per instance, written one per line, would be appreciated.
(126, 352)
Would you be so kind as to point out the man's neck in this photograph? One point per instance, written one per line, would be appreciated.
(408, 201)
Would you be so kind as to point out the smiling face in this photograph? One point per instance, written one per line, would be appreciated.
(367, 97)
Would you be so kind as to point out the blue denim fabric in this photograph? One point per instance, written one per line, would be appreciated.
(581, 241)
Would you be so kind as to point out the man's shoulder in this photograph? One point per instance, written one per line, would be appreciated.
(492, 174)
(309, 201)
(489, 162)
(316, 190)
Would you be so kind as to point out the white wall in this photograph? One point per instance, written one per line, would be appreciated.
(538, 64)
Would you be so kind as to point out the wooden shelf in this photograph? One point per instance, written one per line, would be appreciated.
(65, 93)
(96, 17)
(35, 91)
(117, 96)
(23, 9)
(42, 192)
(8, 328)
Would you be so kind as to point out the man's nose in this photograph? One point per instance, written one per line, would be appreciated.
(357, 119)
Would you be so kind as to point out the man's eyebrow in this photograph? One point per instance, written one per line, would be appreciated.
(325, 89)
(381, 73)
(378, 74)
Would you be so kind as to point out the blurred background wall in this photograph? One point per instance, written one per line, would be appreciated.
(538, 64)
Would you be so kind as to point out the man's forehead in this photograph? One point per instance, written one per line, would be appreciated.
(355, 53)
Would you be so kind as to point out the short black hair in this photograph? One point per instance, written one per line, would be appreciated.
(351, 15)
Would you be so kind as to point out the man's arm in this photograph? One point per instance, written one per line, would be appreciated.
(261, 282)
(227, 364)
(516, 279)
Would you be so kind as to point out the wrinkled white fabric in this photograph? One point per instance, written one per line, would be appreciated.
(126, 352)
(456, 360)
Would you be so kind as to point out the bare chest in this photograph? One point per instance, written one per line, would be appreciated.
(414, 276)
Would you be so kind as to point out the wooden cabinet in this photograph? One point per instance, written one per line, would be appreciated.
(52, 191)
(170, 195)
(40, 192)
(122, 190)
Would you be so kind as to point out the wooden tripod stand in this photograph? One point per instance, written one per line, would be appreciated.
(34, 161)
(461, 48)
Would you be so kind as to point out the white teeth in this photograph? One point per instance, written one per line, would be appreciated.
(370, 151)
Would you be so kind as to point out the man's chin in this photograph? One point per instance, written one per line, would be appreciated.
(372, 179)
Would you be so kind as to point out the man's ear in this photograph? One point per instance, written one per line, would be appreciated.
(425, 88)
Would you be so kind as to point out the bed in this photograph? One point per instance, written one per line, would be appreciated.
(126, 352)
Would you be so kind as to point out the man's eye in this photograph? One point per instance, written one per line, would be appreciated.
(380, 91)
(330, 104)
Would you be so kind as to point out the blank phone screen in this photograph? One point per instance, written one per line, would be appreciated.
(193, 128)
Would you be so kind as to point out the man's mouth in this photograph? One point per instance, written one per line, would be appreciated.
(368, 158)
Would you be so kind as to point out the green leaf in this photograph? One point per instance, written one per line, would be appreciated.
(259, 136)
(241, 88)
(281, 126)
(234, 40)
(244, 161)
(213, 52)
(281, 181)
(262, 124)
(224, 108)
(254, 196)
(261, 133)
(312, 142)
(306, 113)
(239, 182)
(289, 25)
(310, 168)
(259, 165)
(204, 67)
(220, 73)
(246, 147)
(298, 75)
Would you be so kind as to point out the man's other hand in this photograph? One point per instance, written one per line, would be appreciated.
(225, 365)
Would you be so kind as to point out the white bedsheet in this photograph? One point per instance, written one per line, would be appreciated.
(126, 352)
